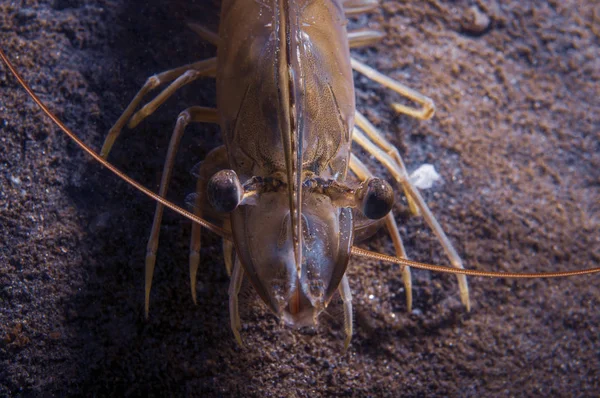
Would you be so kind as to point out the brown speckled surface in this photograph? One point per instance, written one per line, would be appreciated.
(516, 138)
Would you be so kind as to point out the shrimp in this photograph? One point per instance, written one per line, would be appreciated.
(285, 100)
(279, 184)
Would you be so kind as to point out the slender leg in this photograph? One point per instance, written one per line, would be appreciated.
(194, 114)
(229, 256)
(364, 37)
(205, 68)
(379, 140)
(234, 289)
(346, 296)
(195, 244)
(205, 33)
(353, 7)
(428, 107)
(214, 159)
(363, 173)
(148, 109)
(401, 177)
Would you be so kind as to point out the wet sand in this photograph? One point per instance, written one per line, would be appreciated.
(515, 138)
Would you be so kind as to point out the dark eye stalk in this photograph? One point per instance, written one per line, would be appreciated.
(374, 197)
(225, 192)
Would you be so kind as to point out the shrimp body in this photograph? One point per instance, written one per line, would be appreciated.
(285, 97)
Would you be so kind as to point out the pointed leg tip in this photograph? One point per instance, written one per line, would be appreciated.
(193, 289)
(409, 298)
(413, 208)
(238, 339)
(468, 305)
(194, 263)
(104, 151)
(409, 303)
(109, 142)
(347, 341)
(464, 298)
(430, 111)
(463, 286)
(133, 122)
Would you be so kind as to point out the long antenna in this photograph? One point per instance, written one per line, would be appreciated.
(470, 272)
(356, 251)
(99, 159)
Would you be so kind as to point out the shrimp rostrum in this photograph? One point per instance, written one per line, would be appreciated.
(286, 107)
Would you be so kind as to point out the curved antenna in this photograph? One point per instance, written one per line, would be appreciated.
(99, 159)
(356, 251)
(490, 274)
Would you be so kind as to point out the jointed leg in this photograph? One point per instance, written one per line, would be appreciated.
(346, 296)
(148, 109)
(212, 163)
(353, 7)
(229, 256)
(194, 114)
(428, 107)
(195, 244)
(205, 33)
(400, 175)
(202, 68)
(379, 140)
(364, 37)
(363, 173)
(235, 285)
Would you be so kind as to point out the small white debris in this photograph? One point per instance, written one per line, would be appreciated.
(425, 176)
(15, 180)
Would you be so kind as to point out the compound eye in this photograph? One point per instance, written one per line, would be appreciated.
(376, 198)
(225, 191)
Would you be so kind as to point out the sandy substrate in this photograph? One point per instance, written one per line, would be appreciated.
(516, 138)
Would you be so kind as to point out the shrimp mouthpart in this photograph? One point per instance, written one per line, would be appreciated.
(300, 312)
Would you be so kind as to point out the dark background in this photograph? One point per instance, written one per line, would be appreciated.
(515, 138)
